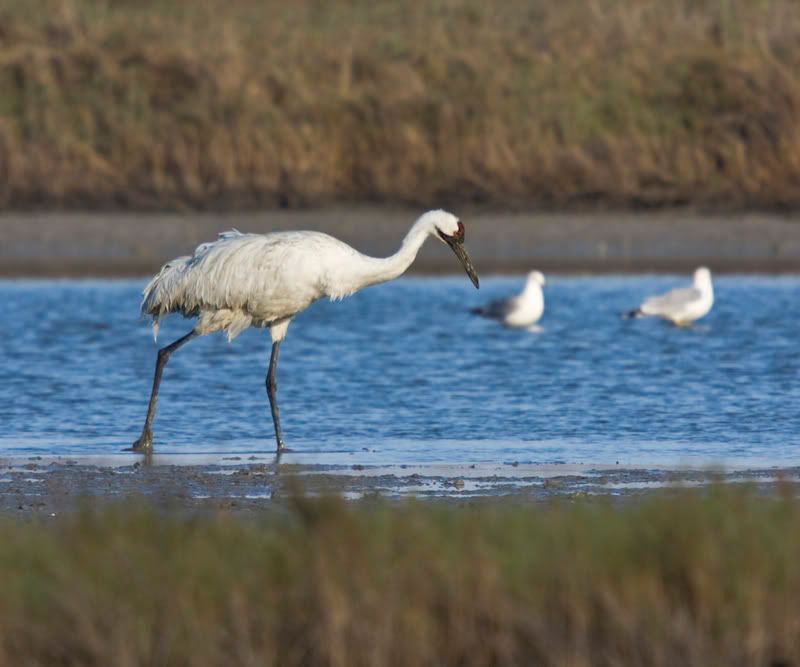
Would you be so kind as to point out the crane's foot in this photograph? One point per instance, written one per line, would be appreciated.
(144, 443)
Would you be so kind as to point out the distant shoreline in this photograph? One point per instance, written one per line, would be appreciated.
(132, 244)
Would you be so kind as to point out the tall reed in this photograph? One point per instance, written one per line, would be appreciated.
(683, 578)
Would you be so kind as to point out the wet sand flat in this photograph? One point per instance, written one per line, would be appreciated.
(127, 244)
(34, 486)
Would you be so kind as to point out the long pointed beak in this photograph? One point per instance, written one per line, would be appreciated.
(461, 252)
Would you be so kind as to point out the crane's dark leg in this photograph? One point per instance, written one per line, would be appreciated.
(145, 441)
(272, 390)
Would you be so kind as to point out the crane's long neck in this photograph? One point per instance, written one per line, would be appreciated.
(374, 270)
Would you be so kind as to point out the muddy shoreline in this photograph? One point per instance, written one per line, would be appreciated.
(130, 244)
(35, 487)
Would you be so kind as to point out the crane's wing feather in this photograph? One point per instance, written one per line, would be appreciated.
(222, 236)
(242, 279)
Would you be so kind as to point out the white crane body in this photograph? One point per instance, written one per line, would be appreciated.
(243, 280)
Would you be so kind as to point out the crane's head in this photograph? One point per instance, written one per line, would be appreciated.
(451, 231)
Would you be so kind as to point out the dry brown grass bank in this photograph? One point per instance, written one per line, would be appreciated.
(214, 103)
(681, 580)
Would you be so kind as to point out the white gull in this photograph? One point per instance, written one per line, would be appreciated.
(521, 311)
(680, 306)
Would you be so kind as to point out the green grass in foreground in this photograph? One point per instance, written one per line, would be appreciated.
(212, 103)
(678, 579)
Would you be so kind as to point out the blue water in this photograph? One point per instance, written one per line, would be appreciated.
(402, 373)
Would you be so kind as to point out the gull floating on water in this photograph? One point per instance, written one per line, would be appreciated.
(521, 311)
(680, 306)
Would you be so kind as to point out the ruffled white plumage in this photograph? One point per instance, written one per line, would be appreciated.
(244, 280)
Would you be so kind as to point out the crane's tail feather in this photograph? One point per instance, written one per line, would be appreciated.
(160, 296)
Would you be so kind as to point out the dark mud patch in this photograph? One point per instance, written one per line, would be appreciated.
(52, 488)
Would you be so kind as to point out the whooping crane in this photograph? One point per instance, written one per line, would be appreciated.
(522, 310)
(680, 306)
(264, 280)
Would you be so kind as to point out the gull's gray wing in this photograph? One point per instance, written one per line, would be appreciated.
(496, 309)
(671, 303)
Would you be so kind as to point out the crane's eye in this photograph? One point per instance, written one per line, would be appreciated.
(457, 235)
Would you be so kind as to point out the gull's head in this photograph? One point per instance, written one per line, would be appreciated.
(450, 230)
(702, 277)
(536, 278)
